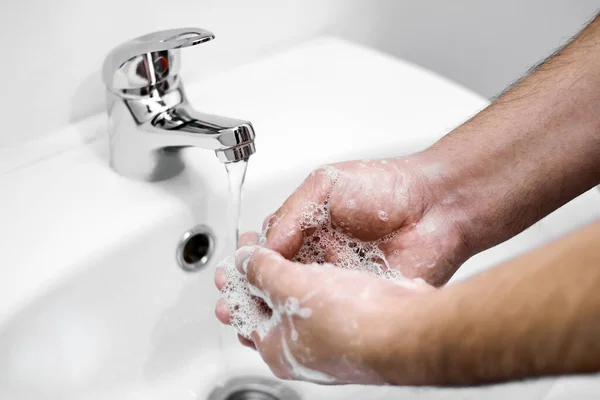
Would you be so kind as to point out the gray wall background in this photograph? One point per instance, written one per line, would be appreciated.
(54, 49)
(482, 44)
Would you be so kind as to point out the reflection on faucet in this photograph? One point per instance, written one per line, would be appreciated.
(193, 128)
(149, 116)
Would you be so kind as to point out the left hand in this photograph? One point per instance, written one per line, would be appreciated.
(329, 325)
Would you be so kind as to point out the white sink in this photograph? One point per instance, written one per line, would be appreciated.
(92, 302)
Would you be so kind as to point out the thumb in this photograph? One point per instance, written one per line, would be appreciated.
(282, 230)
(284, 233)
(268, 272)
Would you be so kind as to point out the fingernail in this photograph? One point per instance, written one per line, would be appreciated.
(267, 220)
(242, 257)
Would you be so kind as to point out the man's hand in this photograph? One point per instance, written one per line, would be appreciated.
(329, 325)
(537, 315)
(401, 198)
(527, 154)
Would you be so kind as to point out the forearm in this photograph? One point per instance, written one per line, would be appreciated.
(536, 315)
(531, 151)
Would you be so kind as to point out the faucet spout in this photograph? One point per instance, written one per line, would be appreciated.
(149, 116)
(231, 139)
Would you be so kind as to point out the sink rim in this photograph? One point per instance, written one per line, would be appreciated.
(73, 176)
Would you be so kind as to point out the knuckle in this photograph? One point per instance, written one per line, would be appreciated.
(247, 238)
(272, 219)
(263, 263)
(252, 273)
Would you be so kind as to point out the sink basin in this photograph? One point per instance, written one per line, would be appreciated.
(92, 302)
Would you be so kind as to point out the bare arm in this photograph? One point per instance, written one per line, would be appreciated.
(536, 315)
(531, 151)
(527, 154)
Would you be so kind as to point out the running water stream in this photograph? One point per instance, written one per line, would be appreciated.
(236, 172)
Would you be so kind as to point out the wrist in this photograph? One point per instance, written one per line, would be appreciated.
(477, 188)
(407, 354)
(449, 204)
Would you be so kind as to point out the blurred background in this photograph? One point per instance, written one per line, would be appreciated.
(54, 49)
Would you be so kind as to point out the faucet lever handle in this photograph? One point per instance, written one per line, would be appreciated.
(149, 59)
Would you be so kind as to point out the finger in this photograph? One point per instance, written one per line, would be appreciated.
(246, 342)
(271, 351)
(220, 278)
(248, 239)
(273, 275)
(269, 348)
(267, 221)
(242, 257)
(260, 265)
(222, 312)
(416, 285)
(263, 267)
(283, 228)
(283, 231)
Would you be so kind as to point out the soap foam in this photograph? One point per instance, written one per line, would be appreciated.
(328, 244)
(251, 310)
(248, 312)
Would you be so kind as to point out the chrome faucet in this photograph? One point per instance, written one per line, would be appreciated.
(149, 117)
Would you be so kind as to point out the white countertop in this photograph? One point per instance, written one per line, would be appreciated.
(61, 203)
(61, 206)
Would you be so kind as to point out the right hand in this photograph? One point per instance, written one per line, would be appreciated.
(428, 243)
(368, 200)
(330, 325)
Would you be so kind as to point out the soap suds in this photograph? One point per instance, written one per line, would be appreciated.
(252, 311)
(248, 312)
(272, 222)
(331, 172)
(299, 371)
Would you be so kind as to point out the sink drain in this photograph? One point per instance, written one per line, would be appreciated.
(250, 395)
(195, 248)
(253, 388)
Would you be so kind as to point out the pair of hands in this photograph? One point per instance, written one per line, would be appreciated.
(492, 183)
(351, 312)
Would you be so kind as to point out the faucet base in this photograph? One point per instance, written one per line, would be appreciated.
(235, 154)
(161, 165)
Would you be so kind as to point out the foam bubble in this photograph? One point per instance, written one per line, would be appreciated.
(248, 311)
(273, 221)
(251, 310)
(350, 253)
(331, 172)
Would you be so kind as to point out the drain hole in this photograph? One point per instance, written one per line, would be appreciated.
(251, 395)
(253, 388)
(195, 248)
